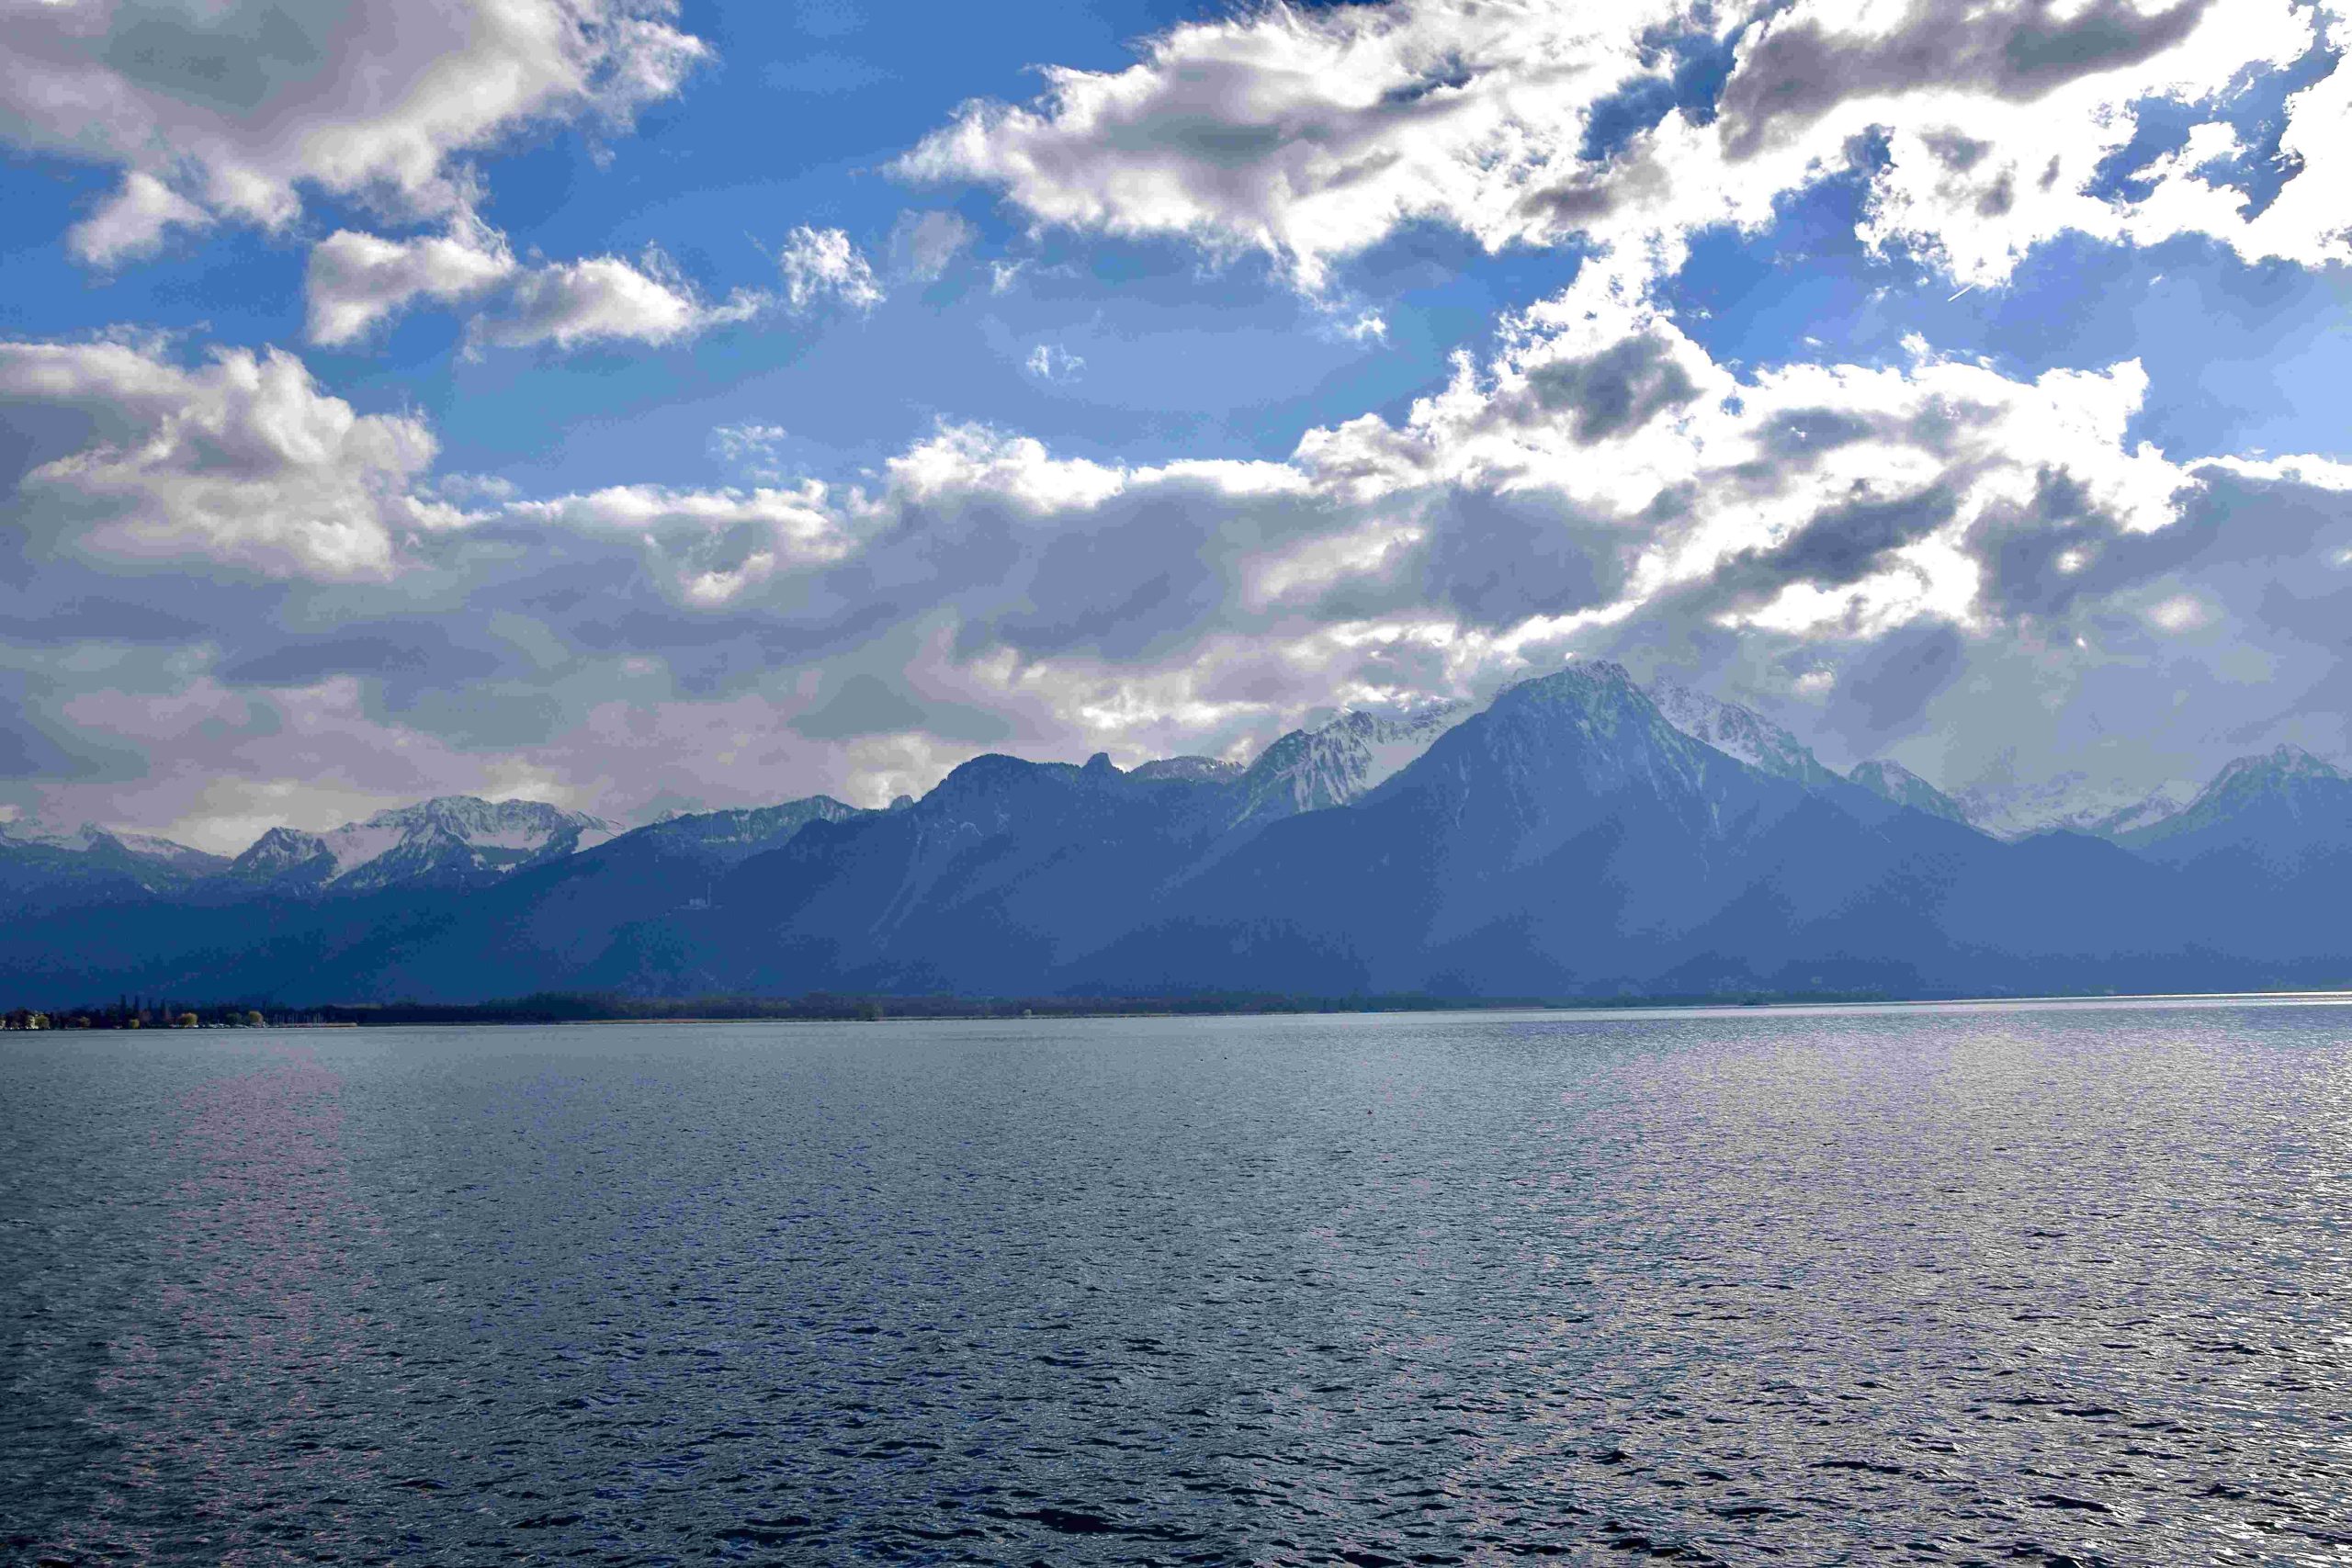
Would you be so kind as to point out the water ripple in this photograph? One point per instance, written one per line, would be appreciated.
(1955, 1286)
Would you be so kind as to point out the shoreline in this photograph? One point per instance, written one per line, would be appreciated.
(555, 1009)
(492, 1013)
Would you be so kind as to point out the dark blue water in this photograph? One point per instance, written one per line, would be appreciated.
(1991, 1285)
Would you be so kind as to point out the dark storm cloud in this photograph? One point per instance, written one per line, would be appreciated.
(1840, 545)
(482, 716)
(1798, 435)
(1134, 576)
(1573, 204)
(423, 652)
(2059, 551)
(1795, 71)
(1610, 393)
(35, 432)
(229, 58)
(37, 742)
(28, 752)
(1887, 686)
(1497, 559)
(866, 703)
(57, 612)
(863, 704)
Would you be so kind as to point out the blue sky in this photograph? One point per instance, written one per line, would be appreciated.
(640, 406)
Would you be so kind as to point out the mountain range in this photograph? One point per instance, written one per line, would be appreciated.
(1577, 837)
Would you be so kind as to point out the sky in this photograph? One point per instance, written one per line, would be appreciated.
(649, 407)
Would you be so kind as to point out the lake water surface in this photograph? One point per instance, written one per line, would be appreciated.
(2063, 1283)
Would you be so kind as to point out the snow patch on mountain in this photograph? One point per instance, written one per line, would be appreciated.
(89, 837)
(1738, 731)
(2160, 804)
(731, 837)
(455, 837)
(1188, 770)
(1891, 780)
(2072, 801)
(2281, 787)
(1308, 769)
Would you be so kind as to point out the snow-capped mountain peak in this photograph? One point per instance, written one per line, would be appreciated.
(1188, 770)
(2078, 803)
(2281, 764)
(453, 837)
(1342, 760)
(1737, 731)
(2160, 804)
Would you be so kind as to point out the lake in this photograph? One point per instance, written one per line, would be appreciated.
(1996, 1283)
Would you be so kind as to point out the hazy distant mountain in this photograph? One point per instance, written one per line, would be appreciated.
(1893, 781)
(1570, 840)
(1187, 770)
(41, 870)
(2072, 801)
(2285, 808)
(728, 837)
(91, 839)
(2165, 800)
(455, 839)
(1738, 731)
(999, 878)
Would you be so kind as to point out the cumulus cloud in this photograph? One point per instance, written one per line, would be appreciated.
(1930, 557)
(134, 220)
(1310, 136)
(241, 459)
(356, 281)
(1967, 566)
(709, 547)
(230, 112)
(820, 263)
(608, 299)
(1602, 487)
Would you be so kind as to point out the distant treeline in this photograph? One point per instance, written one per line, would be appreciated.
(557, 1007)
(831, 1007)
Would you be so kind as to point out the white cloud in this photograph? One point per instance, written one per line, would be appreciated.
(607, 299)
(132, 220)
(709, 547)
(821, 262)
(1051, 362)
(1312, 136)
(230, 110)
(241, 460)
(923, 243)
(750, 446)
(356, 281)
(1881, 546)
